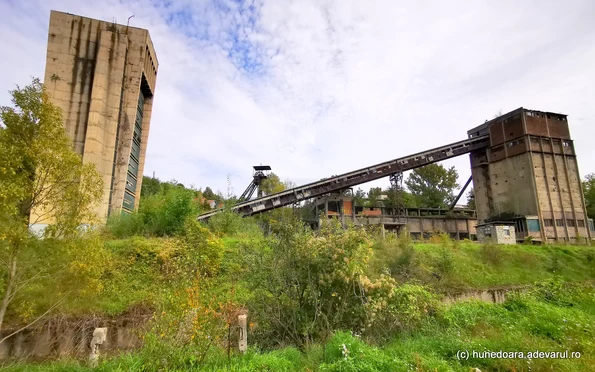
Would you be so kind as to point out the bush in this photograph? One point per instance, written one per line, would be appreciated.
(125, 225)
(226, 222)
(552, 291)
(405, 307)
(161, 214)
(307, 284)
(395, 256)
(203, 250)
(188, 328)
(492, 253)
(164, 214)
(345, 352)
(445, 261)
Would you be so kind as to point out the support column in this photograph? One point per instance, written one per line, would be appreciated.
(547, 185)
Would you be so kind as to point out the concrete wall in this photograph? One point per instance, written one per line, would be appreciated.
(94, 73)
(530, 169)
(416, 225)
(71, 339)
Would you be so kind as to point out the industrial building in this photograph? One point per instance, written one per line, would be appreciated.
(524, 172)
(102, 75)
(528, 174)
(420, 223)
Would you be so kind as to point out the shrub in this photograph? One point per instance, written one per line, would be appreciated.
(395, 256)
(189, 327)
(308, 284)
(492, 253)
(164, 214)
(516, 302)
(226, 222)
(400, 308)
(346, 352)
(445, 261)
(123, 225)
(161, 214)
(553, 291)
(202, 250)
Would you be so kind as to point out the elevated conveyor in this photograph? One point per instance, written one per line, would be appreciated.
(343, 181)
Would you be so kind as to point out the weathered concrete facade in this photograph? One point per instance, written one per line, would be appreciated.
(419, 222)
(102, 75)
(530, 169)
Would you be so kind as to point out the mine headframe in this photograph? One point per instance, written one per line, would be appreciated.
(260, 173)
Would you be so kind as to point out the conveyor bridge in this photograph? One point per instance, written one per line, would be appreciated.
(343, 181)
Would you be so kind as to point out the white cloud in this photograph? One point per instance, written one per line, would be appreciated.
(315, 88)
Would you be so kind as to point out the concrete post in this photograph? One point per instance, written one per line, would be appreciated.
(99, 337)
(242, 323)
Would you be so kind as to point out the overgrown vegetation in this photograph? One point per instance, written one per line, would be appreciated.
(336, 299)
(548, 318)
(342, 299)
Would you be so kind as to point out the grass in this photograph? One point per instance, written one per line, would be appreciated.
(145, 283)
(476, 267)
(526, 323)
(549, 317)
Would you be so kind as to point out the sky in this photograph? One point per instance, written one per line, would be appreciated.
(315, 88)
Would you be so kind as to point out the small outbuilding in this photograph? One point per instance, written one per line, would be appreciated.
(500, 232)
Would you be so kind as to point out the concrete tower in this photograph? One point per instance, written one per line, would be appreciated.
(102, 75)
(529, 175)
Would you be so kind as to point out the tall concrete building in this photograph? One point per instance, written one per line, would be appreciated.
(102, 75)
(529, 175)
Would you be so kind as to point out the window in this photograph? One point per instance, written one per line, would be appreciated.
(570, 223)
(128, 201)
(533, 225)
(507, 231)
(559, 222)
(580, 223)
(548, 222)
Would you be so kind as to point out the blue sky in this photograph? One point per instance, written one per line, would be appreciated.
(317, 87)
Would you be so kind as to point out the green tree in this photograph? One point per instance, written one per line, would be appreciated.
(272, 184)
(359, 197)
(374, 196)
(471, 199)
(589, 191)
(433, 186)
(151, 186)
(396, 197)
(209, 194)
(41, 180)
